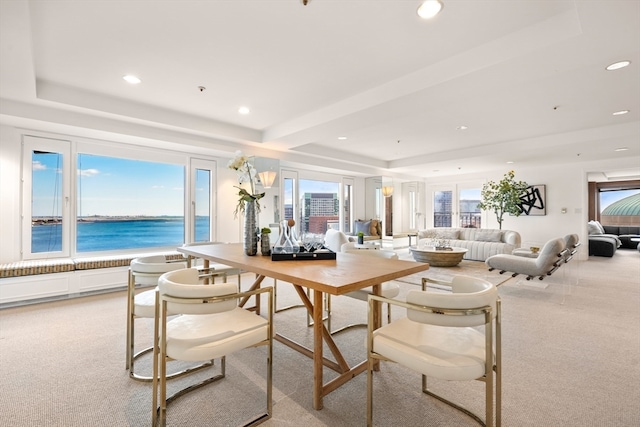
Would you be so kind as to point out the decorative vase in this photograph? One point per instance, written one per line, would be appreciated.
(284, 244)
(250, 229)
(265, 244)
(361, 240)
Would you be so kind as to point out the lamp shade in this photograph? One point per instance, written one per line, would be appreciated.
(267, 178)
(387, 191)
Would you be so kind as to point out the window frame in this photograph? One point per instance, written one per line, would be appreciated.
(31, 143)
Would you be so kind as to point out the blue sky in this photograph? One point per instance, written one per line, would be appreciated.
(608, 197)
(111, 187)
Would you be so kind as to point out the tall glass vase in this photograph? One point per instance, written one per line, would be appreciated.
(250, 229)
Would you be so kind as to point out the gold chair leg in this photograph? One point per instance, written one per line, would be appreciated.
(452, 404)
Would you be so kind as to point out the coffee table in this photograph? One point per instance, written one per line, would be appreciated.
(438, 258)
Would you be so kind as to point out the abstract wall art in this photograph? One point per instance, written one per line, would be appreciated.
(533, 201)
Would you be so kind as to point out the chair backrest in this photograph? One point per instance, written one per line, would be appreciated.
(550, 254)
(184, 284)
(334, 239)
(370, 252)
(468, 293)
(148, 269)
(571, 242)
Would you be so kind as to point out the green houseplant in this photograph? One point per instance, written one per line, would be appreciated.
(503, 196)
(360, 238)
(265, 245)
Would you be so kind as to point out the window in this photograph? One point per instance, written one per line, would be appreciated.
(128, 204)
(470, 215)
(203, 175)
(442, 208)
(319, 206)
(125, 198)
(457, 206)
(347, 203)
(46, 197)
(46, 202)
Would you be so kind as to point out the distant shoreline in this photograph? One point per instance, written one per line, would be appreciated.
(58, 220)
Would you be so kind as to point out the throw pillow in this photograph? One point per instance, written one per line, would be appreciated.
(448, 234)
(592, 227)
(600, 227)
(374, 227)
(489, 236)
(364, 227)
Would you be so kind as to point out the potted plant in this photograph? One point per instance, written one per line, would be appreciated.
(360, 238)
(265, 243)
(503, 196)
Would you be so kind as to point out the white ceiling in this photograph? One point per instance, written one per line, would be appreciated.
(528, 78)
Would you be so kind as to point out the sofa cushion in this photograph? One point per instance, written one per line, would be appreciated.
(595, 228)
(448, 234)
(363, 227)
(489, 236)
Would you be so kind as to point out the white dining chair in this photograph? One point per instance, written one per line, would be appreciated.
(450, 336)
(211, 325)
(144, 272)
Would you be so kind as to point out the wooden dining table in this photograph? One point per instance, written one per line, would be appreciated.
(348, 272)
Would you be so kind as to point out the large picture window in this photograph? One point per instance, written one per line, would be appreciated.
(83, 197)
(127, 204)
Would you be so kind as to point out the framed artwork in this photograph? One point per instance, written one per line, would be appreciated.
(533, 201)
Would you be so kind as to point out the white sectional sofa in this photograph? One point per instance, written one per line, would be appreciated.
(481, 243)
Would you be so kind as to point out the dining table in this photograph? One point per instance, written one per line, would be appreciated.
(346, 273)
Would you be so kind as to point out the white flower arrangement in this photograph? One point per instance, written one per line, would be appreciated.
(246, 173)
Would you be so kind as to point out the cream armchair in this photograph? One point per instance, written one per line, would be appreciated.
(551, 257)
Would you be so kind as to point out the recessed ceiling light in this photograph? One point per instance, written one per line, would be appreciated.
(342, 138)
(429, 9)
(618, 65)
(622, 149)
(462, 128)
(509, 162)
(244, 110)
(129, 78)
(621, 112)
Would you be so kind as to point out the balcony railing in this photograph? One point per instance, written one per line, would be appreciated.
(467, 219)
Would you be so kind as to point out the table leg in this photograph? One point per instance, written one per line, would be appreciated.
(317, 350)
(254, 286)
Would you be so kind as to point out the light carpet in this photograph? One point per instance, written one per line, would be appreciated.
(571, 358)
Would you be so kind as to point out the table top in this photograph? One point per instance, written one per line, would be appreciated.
(432, 249)
(347, 273)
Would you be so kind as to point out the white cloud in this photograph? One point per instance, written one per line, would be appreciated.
(37, 166)
(88, 172)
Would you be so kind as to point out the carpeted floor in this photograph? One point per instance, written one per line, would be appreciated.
(571, 358)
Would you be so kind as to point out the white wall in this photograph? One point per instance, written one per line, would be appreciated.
(9, 194)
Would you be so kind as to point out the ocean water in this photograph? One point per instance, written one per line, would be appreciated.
(116, 235)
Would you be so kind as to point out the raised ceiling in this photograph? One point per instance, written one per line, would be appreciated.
(527, 78)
